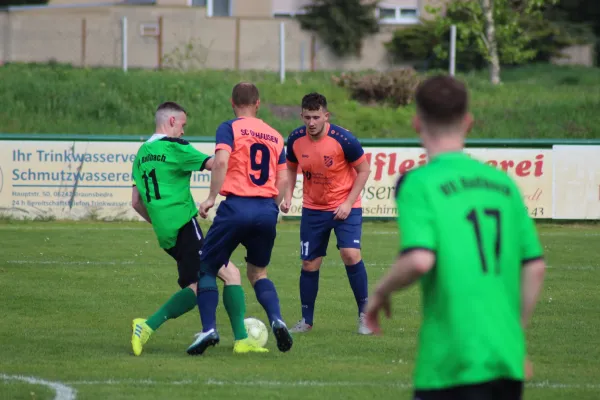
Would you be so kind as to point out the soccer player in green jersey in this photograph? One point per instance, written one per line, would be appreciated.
(161, 195)
(466, 236)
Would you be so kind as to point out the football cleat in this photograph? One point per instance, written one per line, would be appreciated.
(202, 342)
(301, 327)
(140, 334)
(247, 346)
(362, 326)
(282, 334)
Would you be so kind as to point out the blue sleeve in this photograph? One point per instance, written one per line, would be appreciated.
(282, 157)
(225, 134)
(291, 157)
(352, 148)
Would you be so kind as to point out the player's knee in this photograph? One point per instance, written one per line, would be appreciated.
(350, 256)
(255, 273)
(312, 265)
(194, 287)
(230, 274)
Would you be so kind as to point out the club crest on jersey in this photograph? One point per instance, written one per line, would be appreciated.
(328, 161)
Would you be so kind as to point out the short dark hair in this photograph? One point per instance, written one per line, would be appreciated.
(314, 101)
(442, 100)
(245, 94)
(171, 106)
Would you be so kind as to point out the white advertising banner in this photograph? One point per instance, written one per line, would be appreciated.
(72, 180)
(576, 182)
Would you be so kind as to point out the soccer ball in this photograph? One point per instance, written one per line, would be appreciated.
(257, 331)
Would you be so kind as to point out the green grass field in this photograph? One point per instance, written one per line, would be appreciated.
(68, 292)
(535, 102)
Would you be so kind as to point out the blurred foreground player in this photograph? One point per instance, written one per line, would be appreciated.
(467, 237)
(249, 171)
(161, 195)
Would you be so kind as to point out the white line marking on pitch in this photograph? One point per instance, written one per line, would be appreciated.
(62, 391)
(8, 227)
(400, 385)
(99, 263)
(52, 262)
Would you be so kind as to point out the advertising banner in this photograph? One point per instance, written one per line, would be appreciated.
(72, 180)
(531, 168)
(576, 182)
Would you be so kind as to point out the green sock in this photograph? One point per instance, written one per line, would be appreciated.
(180, 303)
(235, 304)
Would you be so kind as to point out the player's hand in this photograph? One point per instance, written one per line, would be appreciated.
(342, 211)
(528, 369)
(377, 303)
(285, 206)
(205, 206)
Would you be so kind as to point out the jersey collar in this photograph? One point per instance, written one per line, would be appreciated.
(156, 136)
(450, 155)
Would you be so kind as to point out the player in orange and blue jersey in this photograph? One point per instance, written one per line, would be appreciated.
(335, 172)
(249, 169)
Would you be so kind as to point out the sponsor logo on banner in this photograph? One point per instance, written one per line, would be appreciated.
(81, 179)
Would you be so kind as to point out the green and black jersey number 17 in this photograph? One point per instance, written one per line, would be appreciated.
(474, 219)
(147, 177)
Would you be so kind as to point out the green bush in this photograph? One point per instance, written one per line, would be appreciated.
(414, 44)
(547, 38)
(341, 24)
(554, 33)
(396, 87)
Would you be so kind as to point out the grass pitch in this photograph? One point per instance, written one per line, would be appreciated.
(68, 293)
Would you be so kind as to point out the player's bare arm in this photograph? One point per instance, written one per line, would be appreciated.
(363, 171)
(291, 173)
(532, 276)
(209, 164)
(281, 182)
(407, 269)
(219, 169)
(138, 204)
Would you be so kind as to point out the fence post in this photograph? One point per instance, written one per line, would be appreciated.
(83, 41)
(302, 56)
(124, 45)
(313, 51)
(452, 50)
(209, 8)
(237, 43)
(281, 52)
(160, 42)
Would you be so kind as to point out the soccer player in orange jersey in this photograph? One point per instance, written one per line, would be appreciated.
(335, 171)
(250, 171)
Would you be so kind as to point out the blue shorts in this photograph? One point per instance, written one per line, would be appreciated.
(249, 221)
(315, 229)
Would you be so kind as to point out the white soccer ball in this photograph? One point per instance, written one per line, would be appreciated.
(257, 331)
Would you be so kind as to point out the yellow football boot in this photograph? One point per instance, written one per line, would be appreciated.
(141, 334)
(246, 346)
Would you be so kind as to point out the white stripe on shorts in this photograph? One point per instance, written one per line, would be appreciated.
(197, 228)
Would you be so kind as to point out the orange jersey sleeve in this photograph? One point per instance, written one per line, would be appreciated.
(257, 153)
(327, 166)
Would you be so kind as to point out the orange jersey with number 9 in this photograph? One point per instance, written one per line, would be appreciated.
(257, 153)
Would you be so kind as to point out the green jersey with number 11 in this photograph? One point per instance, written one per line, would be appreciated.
(473, 218)
(161, 171)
